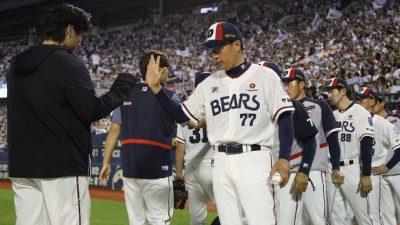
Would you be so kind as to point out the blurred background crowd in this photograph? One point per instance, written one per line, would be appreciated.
(359, 42)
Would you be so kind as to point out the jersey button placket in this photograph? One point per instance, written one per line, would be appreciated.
(232, 116)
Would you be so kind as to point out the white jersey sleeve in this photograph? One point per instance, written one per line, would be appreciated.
(395, 120)
(387, 138)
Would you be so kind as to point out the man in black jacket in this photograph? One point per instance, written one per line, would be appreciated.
(51, 104)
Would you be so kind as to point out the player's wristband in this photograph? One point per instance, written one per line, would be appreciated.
(366, 154)
(394, 160)
(173, 108)
(310, 146)
(286, 135)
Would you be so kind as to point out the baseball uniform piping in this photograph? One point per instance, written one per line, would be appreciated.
(146, 142)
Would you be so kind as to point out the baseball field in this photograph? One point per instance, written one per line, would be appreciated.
(104, 211)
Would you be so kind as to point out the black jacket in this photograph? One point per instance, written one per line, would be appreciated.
(51, 104)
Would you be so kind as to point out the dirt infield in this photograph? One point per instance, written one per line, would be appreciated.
(102, 193)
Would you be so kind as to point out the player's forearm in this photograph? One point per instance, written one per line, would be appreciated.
(286, 135)
(155, 88)
(111, 142)
(179, 154)
(310, 146)
(394, 160)
(366, 155)
(173, 108)
(334, 150)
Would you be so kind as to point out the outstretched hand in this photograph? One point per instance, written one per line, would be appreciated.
(153, 74)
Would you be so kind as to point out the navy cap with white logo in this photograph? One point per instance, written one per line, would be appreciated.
(293, 74)
(367, 93)
(335, 83)
(271, 65)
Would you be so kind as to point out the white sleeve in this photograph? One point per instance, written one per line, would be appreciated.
(278, 100)
(193, 107)
(394, 135)
(364, 126)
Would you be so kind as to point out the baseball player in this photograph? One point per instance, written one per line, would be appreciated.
(147, 131)
(243, 104)
(389, 168)
(355, 140)
(314, 199)
(385, 138)
(289, 198)
(193, 147)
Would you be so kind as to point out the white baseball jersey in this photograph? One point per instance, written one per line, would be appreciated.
(240, 110)
(196, 143)
(322, 117)
(387, 138)
(395, 120)
(356, 123)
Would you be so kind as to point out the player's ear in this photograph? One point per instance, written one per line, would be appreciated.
(302, 84)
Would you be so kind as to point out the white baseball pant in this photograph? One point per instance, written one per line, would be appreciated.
(390, 204)
(241, 184)
(149, 201)
(198, 179)
(289, 205)
(348, 192)
(314, 201)
(61, 201)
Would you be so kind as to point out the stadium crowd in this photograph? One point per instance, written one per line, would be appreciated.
(362, 45)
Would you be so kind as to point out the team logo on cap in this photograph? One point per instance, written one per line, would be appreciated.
(214, 89)
(210, 33)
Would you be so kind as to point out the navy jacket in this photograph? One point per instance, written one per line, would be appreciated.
(50, 106)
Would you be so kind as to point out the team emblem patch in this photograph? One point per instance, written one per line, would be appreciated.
(164, 168)
(144, 88)
(214, 89)
(350, 116)
(370, 121)
(252, 86)
(396, 130)
(127, 103)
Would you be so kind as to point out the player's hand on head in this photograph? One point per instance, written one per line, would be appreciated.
(382, 169)
(337, 178)
(283, 167)
(365, 184)
(153, 74)
(104, 176)
(300, 183)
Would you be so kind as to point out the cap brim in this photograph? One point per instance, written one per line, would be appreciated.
(327, 88)
(212, 43)
(287, 79)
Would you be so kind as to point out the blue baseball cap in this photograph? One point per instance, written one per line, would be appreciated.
(380, 96)
(199, 78)
(293, 74)
(222, 33)
(272, 66)
(335, 83)
(367, 93)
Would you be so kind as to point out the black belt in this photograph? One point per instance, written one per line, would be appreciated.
(350, 162)
(342, 163)
(236, 149)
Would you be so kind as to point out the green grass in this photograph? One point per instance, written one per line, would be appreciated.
(104, 212)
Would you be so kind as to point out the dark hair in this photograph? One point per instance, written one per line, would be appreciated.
(53, 25)
(144, 61)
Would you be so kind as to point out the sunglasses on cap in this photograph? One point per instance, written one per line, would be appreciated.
(217, 50)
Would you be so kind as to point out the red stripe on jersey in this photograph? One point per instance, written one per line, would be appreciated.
(266, 64)
(297, 155)
(146, 142)
(187, 110)
(323, 145)
(219, 32)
